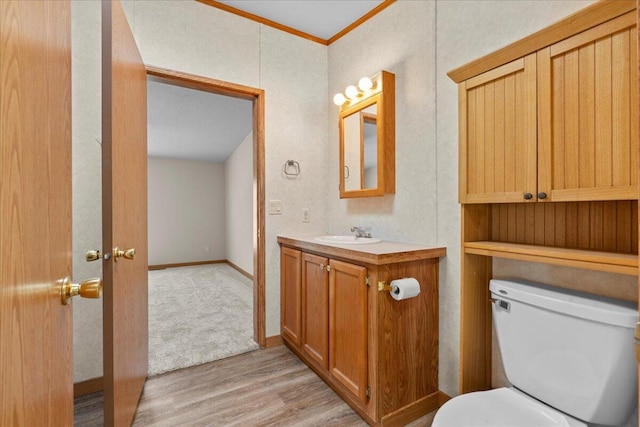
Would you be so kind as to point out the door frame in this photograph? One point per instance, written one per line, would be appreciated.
(219, 87)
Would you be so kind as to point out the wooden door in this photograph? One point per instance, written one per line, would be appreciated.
(588, 132)
(290, 309)
(497, 134)
(36, 382)
(315, 308)
(124, 199)
(348, 326)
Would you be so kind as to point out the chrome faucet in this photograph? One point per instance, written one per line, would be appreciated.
(360, 232)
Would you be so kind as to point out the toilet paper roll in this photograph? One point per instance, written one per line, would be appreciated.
(404, 288)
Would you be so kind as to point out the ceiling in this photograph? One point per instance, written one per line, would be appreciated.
(190, 124)
(194, 125)
(320, 18)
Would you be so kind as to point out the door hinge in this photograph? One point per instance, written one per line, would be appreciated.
(367, 281)
(367, 392)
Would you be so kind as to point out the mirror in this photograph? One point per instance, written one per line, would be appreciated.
(367, 141)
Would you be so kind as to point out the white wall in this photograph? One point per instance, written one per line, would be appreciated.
(239, 209)
(87, 189)
(186, 211)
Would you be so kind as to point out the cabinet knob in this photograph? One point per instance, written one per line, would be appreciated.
(321, 266)
(542, 195)
(528, 196)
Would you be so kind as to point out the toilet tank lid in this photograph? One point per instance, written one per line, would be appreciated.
(566, 301)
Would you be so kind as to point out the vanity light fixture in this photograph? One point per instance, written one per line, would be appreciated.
(339, 99)
(353, 93)
(365, 84)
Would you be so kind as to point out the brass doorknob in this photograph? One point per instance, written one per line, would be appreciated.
(127, 253)
(90, 288)
(93, 255)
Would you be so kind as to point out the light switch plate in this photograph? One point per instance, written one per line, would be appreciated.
(275, 207)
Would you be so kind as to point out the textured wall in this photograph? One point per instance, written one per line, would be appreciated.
(186, 211)
(466, 30)
(238, 173)
(87, 191)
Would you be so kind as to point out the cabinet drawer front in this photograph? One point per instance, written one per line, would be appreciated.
(348, 326)
(588, 130)
(498, 134)
(315, 308)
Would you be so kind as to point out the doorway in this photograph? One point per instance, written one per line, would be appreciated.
(256, 96)
(200, 226)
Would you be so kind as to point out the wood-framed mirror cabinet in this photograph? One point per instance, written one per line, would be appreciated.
(367, 141)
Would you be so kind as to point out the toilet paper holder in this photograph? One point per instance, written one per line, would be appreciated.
(382, 287)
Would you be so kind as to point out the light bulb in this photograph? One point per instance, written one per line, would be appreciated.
(339, 99)
(351, 92)
(365, 84)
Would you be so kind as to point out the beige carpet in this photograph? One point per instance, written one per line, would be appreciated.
(197, 315)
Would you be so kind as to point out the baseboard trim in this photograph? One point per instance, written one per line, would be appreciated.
(87, 387)
(412, 411)
(186, 264)
(443, 397)
(274, 341)
(239, 270)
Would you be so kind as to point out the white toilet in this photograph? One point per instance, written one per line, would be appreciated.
(569, 356)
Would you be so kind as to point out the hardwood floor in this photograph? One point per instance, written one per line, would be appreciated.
(267, 387)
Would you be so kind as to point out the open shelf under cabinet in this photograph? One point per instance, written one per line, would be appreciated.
(592, 260)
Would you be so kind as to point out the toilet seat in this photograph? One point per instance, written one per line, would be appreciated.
(502, 407)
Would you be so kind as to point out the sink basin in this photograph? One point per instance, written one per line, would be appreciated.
(347, 240)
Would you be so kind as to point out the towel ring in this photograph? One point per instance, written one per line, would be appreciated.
(291, 168)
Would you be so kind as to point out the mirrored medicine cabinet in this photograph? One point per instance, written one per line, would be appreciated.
(367, 140)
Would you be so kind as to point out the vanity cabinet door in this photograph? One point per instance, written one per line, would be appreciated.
(348, 326)
(588, 108)
(290, 280)
(315, 309)
(497, 134)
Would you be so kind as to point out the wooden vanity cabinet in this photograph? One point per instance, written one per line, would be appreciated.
(380, 355)
(558, 124)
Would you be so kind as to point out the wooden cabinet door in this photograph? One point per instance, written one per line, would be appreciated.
(348, 326)
(315, 308)
(290, 279)
(497, 126)
(588, 131)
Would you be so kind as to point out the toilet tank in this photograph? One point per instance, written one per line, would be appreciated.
(571, 350)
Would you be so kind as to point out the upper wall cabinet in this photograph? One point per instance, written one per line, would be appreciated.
(556, 125)
(367, 139)
(587, 113)
(498, 133)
